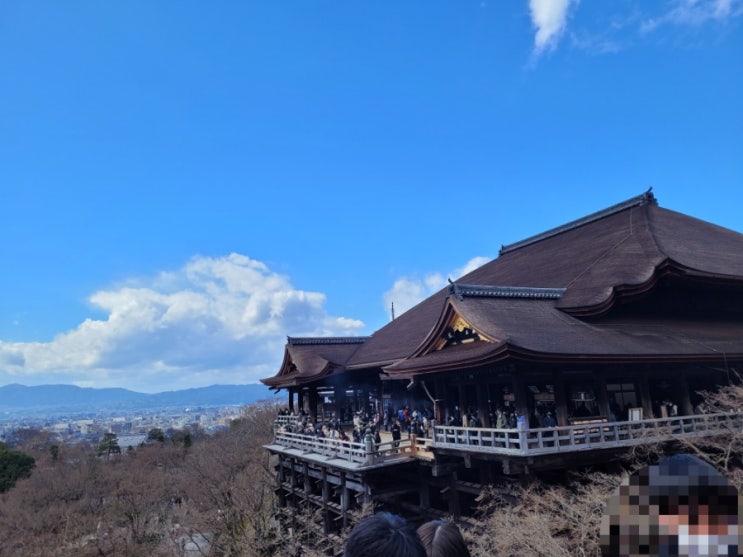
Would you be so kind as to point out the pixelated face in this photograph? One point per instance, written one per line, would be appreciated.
(682, 506)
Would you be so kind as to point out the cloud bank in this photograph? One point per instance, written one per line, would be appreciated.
(215, 320)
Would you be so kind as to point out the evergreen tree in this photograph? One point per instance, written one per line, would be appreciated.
(156, 434)
(14, 465)
(108, 445)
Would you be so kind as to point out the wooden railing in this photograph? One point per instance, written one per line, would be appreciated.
(367, 452)
(331, 448)
(290, 420)
(583, 437)
(517, 442)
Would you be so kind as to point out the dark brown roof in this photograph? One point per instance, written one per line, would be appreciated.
(308, 359)
(535, 330)
(552, 296)
(617, 251)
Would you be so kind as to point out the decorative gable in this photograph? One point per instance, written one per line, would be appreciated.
(458, 331)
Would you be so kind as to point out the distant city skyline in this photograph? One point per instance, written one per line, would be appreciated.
(185, 185)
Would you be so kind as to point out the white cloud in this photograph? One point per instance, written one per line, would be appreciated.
(616, 27)
(694, 13)
(216, 320)
(549, 18)
(406, 292)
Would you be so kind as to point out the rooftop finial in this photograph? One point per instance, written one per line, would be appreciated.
(454, 289)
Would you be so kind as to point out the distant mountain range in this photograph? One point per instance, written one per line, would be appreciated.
(71, 398)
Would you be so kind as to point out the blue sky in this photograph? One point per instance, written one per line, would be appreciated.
(184, 184)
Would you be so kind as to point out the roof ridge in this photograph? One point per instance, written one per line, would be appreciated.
(491, 291)
(644, 199)
(294, 341)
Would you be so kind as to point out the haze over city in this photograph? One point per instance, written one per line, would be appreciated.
(184, 185)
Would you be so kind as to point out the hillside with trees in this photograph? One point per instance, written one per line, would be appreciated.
(214, 496)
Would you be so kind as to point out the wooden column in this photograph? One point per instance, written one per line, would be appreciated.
(340, 401)
(301, 402)
(439, 393)
(313, 404)
(684, 403)
(561, 400)
(453, 499)
(291, 401)
(519, 391)
(647, 403)
(307, 484)
(293, 482)
(282, 479)
(462, 400)
(345, 499)
(424, 500)
(599, 386)
(325, 498)
(482, 404)
(486, 473)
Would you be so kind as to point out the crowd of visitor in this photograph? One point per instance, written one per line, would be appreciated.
(419, 422)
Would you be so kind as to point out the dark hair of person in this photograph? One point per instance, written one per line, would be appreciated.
(383, 535)
(442, 539)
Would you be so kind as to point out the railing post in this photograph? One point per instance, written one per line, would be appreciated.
(523, 445)
(369, 442)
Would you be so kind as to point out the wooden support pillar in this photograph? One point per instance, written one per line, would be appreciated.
(453, 498)
(282, 479)
(339, 392)
(307, 487)
(345, 499)
(482, 404)
(519, 390)
(492, 402)
(601, 397)
(424, 500)
(301, 402)
(293, 481)
(307, 484)
(647, 403)
(291, 401)
(325, 498)
(685, 406)
(486, 473)
(461, 401)
(561, 400)
(313, 403)
(440, 396)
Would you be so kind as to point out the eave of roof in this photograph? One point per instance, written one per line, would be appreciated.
(536, 331)
(308, 359)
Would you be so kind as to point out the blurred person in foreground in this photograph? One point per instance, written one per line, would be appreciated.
(442, 539)
(680, 507)
(383, 535)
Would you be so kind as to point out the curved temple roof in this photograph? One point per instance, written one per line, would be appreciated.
(552, 296)
(307, 359)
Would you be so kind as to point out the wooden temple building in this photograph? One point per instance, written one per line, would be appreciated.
(598, 335)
